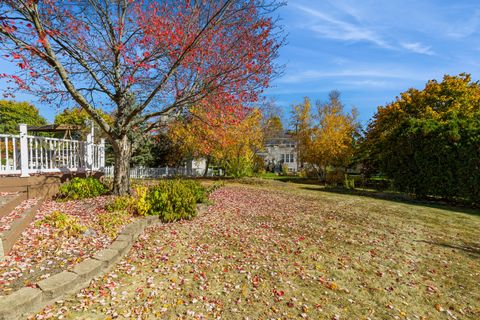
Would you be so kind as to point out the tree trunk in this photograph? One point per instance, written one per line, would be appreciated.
(205, 173)
(122, 149)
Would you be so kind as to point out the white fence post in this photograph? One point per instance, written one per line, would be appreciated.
(23, 151)
(102, 153)
(89, 153)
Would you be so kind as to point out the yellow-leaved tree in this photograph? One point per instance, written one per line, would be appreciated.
(240, 144)
(326, 140)
(231, 142)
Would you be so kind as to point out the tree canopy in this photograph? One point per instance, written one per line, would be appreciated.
(428, 141)
(324, 139)
(13, 113)
(140, 60)
(231, 144)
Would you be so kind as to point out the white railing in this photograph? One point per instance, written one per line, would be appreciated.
(158, 173)
(24, 154)
(9, 153)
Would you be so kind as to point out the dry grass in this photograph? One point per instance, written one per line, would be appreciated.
(281, 251)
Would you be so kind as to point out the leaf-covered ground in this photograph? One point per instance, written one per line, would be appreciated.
(281, 251)
(7, 220)
(41, 251)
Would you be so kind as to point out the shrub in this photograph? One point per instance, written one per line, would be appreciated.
(121, 203)
(141, 203)
(239, 167)
(349, 182)
(199, 191)
(172, 200)
(335, 177)
(215, 186)
(81, 188)
(65, 223)
(110, 222)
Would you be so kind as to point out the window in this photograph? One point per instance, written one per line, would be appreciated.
(282, 158)
(288, 157)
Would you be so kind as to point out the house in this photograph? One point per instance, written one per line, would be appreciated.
(280, 150)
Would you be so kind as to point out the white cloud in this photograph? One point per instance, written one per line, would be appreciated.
(333, 28)
(367, 73)
(464, 28)
(368, 83)
(352, 28)
(417, 47)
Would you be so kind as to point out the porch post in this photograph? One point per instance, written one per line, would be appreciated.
(23, 151)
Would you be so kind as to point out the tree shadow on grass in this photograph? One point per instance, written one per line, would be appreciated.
(472, 249)
(400, 198)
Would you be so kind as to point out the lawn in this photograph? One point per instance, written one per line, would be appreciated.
(283, 250)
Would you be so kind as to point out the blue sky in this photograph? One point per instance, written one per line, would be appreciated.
(369, 50)
(373, 50)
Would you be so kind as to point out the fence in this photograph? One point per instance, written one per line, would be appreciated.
(158, 173)
(24, 154)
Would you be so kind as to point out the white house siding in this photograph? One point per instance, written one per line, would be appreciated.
(197, 166)
(282, 154)
(281, 150)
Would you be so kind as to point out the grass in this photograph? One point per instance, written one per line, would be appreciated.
(284, 250)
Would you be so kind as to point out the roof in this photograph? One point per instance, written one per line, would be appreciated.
(56, 128)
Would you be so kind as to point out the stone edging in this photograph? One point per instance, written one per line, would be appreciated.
(28, 300)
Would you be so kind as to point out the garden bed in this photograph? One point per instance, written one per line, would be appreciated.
(42, 250)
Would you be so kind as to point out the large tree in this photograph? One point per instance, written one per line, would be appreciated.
(333, 135)
(231, 143)
(302, 123)
(428, 141)
(325, 139)
(141, 60)
(13, 113)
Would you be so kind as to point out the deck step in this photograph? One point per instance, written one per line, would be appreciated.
(10, 236)
(8, 202)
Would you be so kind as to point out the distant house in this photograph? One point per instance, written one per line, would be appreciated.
(196, 167)
(280, 150)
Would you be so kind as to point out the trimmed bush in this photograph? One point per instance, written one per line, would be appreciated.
(172, 200)
(81, 188)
